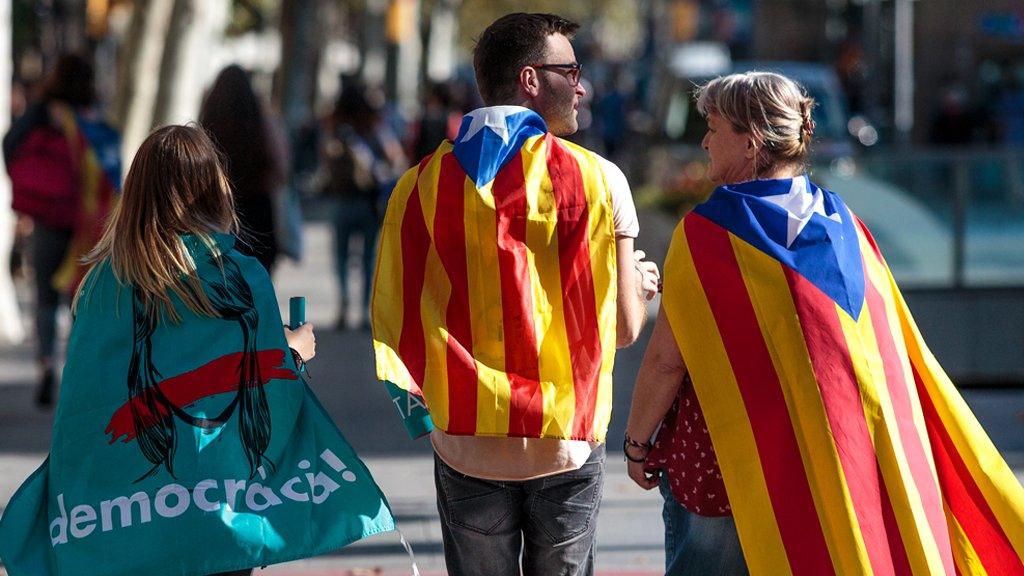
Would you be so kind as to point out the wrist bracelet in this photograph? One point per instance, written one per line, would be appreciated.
(299, 362)
(628, 442)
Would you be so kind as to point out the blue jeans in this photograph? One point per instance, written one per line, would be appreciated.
(699, 545)
(551, 521)
(355, 217)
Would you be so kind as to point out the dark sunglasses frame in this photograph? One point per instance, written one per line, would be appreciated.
(575, 71)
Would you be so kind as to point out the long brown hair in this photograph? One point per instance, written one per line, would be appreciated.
(235, 120)
(176, 185)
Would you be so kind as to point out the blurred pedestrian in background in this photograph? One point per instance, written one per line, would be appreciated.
(65, 167)
(611, 109)
(362, 159)
(255, 156)
(805, 426)
(954, 122)
(440, 120)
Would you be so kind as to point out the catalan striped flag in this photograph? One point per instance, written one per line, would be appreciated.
(95, 148)
(844, 447)
(494, 297)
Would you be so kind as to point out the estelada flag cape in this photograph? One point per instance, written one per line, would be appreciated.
(96, 150)
(844, 447)
(494, 297)
(186, 449)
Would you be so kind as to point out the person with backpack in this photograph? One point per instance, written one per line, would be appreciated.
(64, 162)
(362, 159)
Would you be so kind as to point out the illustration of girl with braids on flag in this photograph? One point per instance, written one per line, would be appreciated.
(185, 441)
(806, 428)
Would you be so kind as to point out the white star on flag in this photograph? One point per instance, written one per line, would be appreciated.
(492, 117)
(799, 205)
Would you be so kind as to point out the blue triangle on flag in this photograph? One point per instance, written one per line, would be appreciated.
(490, 137)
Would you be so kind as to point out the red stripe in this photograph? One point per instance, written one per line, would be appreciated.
(579, 303)
(450, 241)
(415, 243)
(870, 239)
(964, 498)
(526, 405)
(761, 390)
(840, 393)
(917, 460)
(900, 561)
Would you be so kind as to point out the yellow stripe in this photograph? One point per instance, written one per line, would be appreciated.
(434, 304)
(776, 315)
(487, 321)
(554, 360)
(386, 306)
(689, 313)
(966, 558)
(603, 267)
(89, 172)
(915, 532)
(878, 275)
(918, 538)
(994, 479)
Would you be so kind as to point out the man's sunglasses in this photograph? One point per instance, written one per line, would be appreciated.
(572, 70)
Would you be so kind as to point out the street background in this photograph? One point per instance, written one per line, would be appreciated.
(920, 127)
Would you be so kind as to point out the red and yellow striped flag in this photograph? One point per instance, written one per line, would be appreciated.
(844, 447)
(95, 149)
(494, 297)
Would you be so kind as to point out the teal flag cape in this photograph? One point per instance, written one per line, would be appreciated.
(187, 449)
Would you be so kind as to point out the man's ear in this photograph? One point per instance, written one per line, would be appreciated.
(529, 81)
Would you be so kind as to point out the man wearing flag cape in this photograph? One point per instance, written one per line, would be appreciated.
(807, 429)
(185, 442)
(506, 279)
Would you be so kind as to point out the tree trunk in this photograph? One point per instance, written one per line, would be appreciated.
(196, 29)
(299, 61)
(140, 78)
(441, 41)
(11, 328)
(183, 16)
(405, 49)
(373, 43)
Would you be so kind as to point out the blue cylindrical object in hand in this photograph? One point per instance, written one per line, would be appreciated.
(296, 312)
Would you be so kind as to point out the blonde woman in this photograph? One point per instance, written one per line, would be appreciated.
(184, 441)
(805, 428)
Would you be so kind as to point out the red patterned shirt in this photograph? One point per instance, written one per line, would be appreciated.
(683, 451)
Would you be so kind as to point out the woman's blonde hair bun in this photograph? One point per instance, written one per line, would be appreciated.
(773, 108)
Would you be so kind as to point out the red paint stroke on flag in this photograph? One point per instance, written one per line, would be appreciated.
(217, 376)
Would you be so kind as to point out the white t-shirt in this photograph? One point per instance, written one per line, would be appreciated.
(528, 458)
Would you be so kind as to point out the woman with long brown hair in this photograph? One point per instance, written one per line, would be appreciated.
(255, 158)
(183, 409)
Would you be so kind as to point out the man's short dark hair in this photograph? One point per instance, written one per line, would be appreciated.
(509, 44)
